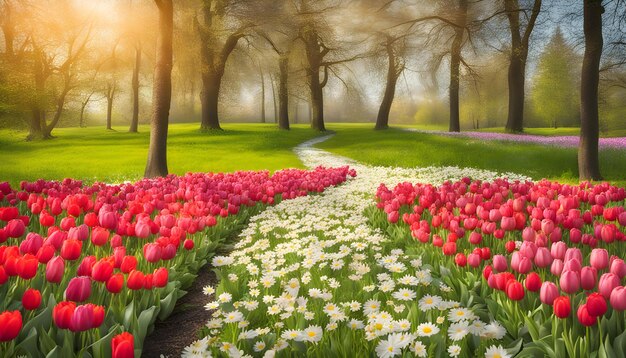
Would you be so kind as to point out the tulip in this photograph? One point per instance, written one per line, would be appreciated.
(543, 258)
(548, 293)
(62, 314)
(584, 317)
(142, 229)
(55, 268)
(618, 298)
(573, 253)
(533, 282)
(122, 346)
(460, 259)
(31, 244)
(547, 226)
(569, 282)
(99, 236)
(3, 276)
(558, 250)
(507, 223)
(188, 244)
(557, 267)
(562, 307)
(500, 263)
(102, 270)
(45, 253)
(449, 248)
(525, 265)
(82, 319)
(135, 280)
(575, 235)
(510, 246)
(31, 299)
(487, 272)
(152, 252)
(588, 277)
(596, 304)
(618, 268)
(15, 228)
(27, 266)
(515, 290)
(71, 249)
(608, 282)
(599, 258)
(129, 263)
(528, 234)
(78, 289)
(473, 260)
(10, 325)
(115, 283)
(572, 265)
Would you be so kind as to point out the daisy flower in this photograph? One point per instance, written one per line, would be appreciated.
(427, 329)
(428, 302)
(454, 350)
(497, 352)
(458, 314)
(404, 294)
(458, 330)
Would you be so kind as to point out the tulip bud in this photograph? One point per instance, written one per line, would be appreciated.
(562, 307)
(599, 258)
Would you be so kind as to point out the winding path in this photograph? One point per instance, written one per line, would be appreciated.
(300, 252)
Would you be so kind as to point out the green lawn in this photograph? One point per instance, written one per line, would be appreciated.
(565, 131)
(94, 153)
(395, 147)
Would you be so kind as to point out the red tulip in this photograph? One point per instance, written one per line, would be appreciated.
(55, 268)
(129, 263)
(78, 289)
(460, 259)
(71, 249)
(152, 252)
(10, 325)
(596, 304)
(188, 244)
(515, 290)
(584, 317)
(449, 248)
(45, 253)
(562, 307)
(510, 246)
(27, 266)
(3, 276)
(533, 282)
(122, 346)
(102, 270)
(62, 314)
(135, 280)
(99, 236)
(86, 266)
(15, 228)
(31, 299)
(115, 283)
(160, 277)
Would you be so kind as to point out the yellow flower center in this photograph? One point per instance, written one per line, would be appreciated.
(427, 329)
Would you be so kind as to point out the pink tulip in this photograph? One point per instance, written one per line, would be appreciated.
(575, 235)
(528, 234)
(618, 267)
(78, 289)
(55, 268)
(500, 263)
(516, 257)
(618, 298)
(588, 277)
(599, 258)
(548, 293)
(608, 282)
(507, 223)
(472, 259)
(557, 267)
(547, 226)
(543, 258)
(528, 249)
(572, 265)
(558, 250)
(525, 265)
(573, 253)
(569, 282)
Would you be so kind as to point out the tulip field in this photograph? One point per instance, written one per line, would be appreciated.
(342, 260)
(86, 270)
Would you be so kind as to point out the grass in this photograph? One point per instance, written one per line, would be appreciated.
(563, 131)
(395, 147)
(95, 154)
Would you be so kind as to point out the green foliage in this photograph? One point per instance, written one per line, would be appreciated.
(94, 154)
(555, 94)
(406, 149)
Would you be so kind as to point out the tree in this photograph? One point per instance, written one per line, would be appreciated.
(161, 92)
(519, 55)
(218, 42)
(588, 160)
(554, 91)
(394, 48)
(460, 21)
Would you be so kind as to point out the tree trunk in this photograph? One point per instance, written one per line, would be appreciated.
(455, 64)
(109, 111)
(262, 96)
(274, 99)
(35, 131)
(83, 105)
(134, 123)
(382, 120)
(57, 114)
(283, 93)
(161, 93)
(317, 104)
(209, 97)
(517, 74)
(588, 161)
